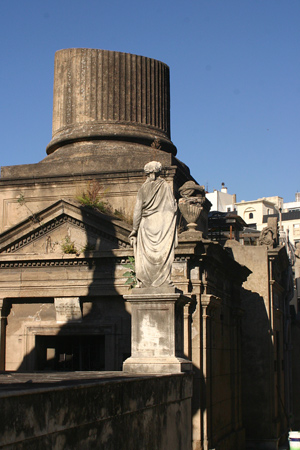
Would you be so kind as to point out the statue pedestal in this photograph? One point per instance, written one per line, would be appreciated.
(157, 332)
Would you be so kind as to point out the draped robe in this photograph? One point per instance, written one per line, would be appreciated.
(154, 220)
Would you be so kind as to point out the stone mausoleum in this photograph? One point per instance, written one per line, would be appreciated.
(65, 301)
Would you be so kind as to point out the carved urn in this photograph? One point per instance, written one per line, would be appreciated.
(194, 207)
(190, 209)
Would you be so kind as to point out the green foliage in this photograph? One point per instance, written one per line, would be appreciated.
(33, 217)
(91, 197)
(130, 274)
(21, 199)
(118, 214)
(123, 216)
(100, 205)
(88, 248)
(68, 246)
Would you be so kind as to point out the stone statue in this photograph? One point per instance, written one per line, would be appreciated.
(267, 237)
(154, 234)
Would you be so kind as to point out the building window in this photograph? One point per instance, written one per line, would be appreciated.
(250, 215)
(296, 229)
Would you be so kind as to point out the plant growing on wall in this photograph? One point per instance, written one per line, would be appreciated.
(91, 197)
(88, 248)
(68, 246)
(22, 202)
(130, 274)
(123, 216)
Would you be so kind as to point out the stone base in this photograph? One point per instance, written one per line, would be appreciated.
(157, 331)
(157, 365)
(194, 235)
(153, 293)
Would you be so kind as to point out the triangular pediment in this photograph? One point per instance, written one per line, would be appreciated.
(63, 228)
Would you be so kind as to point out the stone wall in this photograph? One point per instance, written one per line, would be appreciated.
(296, 374)
(147, 413)
(212, 341)
(265, 388)
(32, 330)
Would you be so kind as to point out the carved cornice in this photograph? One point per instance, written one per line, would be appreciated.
(70, 262)
(54, 224)
(181, 258)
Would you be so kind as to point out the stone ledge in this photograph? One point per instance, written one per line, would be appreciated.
(78, 410)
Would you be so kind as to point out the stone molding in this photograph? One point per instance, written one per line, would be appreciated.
(55, 223)
(56, 215)
(60, 262)
(210, 303)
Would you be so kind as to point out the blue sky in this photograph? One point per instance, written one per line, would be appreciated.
(235, 80)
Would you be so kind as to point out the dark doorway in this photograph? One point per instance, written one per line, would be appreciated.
(70, 352)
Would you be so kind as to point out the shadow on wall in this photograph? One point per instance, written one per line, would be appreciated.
(199, 405)
(98, 336)
(296, 372)
(261, 361)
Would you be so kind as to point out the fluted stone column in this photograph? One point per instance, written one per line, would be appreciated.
(106, 95)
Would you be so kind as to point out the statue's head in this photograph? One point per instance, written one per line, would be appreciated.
(153, 167)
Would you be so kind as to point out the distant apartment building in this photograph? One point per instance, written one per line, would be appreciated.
(221, 200)
(253, 211)
(256, 212)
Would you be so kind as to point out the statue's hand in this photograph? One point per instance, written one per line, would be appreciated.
(132, 238)
(133, 241)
